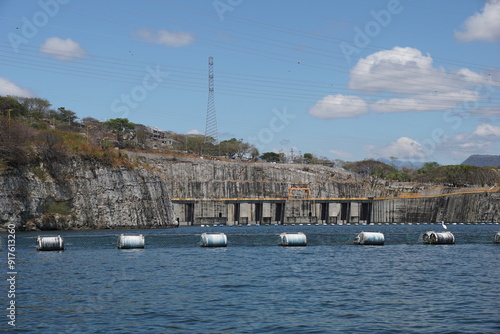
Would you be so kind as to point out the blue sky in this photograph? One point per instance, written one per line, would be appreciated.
(416, 80)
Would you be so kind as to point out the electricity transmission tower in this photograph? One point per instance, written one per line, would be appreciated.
(211, 122)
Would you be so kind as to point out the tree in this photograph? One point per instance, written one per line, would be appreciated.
(234, 148)
(308, 158)
(36, 107)
(271, 157)
(10, 107)
(370, 167)
(196, 144)
(66, 116)
(120, 127)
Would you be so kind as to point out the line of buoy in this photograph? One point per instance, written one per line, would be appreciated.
(56, 243)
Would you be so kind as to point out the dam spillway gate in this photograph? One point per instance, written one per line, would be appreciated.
(271, 211)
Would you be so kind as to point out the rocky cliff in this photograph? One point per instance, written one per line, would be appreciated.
(211, 179)
(87, 194)
(83, 194)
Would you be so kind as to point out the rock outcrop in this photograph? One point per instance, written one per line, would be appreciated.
(83, 194)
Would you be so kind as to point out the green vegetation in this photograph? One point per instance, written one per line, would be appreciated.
(60, 207)
(430, 172)
(40, 173)
(272, 157)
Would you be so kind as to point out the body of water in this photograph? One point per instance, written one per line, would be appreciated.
(254, 286)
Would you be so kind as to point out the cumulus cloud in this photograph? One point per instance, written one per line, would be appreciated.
(414, 83)
(483, 26)
(404, 148)
(408, 71)
(339, 106)
(164, 37)
(487, 130)
(7, 87)
(62, 49)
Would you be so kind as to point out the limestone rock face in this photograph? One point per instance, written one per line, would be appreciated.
(83, 194)
(209, 179)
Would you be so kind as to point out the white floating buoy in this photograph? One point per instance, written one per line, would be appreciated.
(49, 243)
(496, 238)
(130, 241)
(293, 239)
(213, 240)
(432, 237)
(369, 238)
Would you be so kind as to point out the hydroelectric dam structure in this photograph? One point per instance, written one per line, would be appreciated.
(465, 207)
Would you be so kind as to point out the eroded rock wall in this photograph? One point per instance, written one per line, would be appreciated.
(83, 194)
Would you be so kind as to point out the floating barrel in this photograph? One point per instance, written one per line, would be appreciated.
(369, 238)
(49, 243)
(496, 238)
(130, 241)
(293, 239)
(213, 240)
(432, 237)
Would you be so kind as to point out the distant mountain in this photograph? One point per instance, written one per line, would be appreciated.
(479, 160)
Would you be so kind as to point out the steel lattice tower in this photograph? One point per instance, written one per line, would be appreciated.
(211, 122)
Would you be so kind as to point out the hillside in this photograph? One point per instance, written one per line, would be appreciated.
(480, 160)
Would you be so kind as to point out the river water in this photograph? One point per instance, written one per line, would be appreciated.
(254, 286)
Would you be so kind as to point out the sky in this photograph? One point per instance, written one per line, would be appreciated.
(413, 80)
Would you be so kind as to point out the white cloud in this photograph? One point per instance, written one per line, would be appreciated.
(339, 106)
(408, 71)
(62, 49)
(487, 130)
(414, 83)
(7, 87)
(194, 132)
(483, 26)
(168, 38)
(404, 148)
(425, 102)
